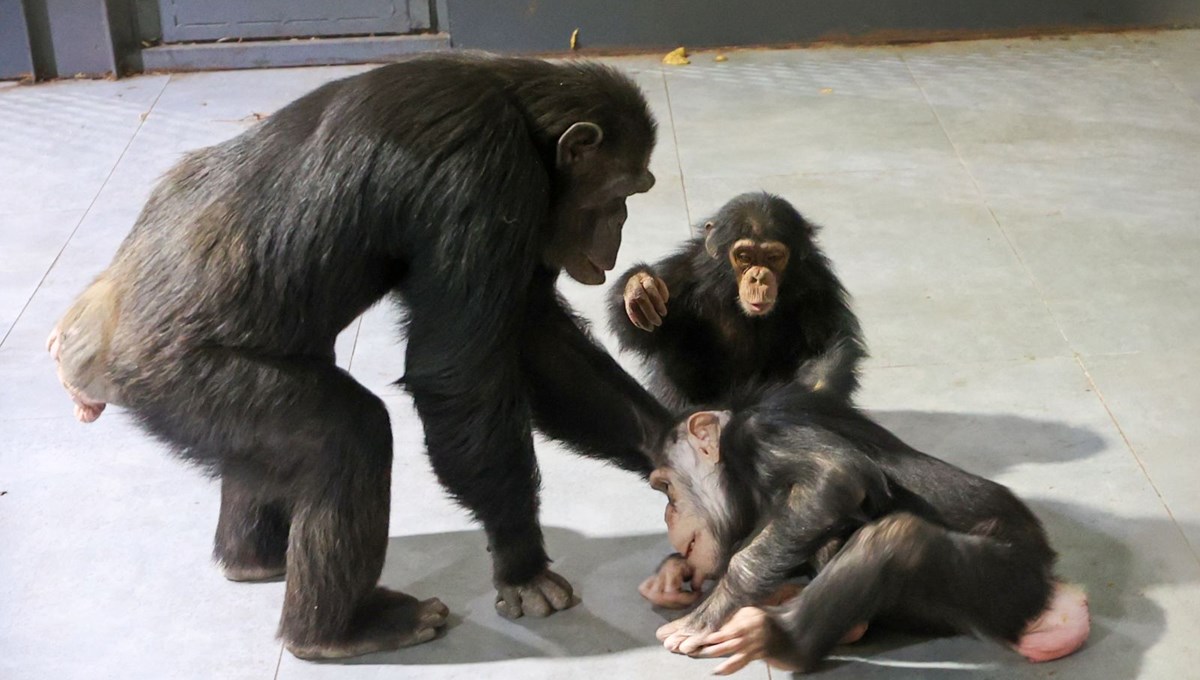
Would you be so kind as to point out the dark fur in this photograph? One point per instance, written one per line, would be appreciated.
(707, 349)
(891, 533)
(433, 178)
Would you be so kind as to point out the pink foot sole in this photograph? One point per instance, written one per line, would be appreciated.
(1060, 630)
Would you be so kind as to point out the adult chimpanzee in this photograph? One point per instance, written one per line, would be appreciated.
(464, 184)
(750, 302)
(804, 481)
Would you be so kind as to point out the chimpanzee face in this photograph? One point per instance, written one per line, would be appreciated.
(691, 480)
(757, 263)
(595, 180)
(758, 266)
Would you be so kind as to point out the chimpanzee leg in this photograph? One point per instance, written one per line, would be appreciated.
(323, 443)
(474, 409)
(904, 564)
(581, 396)
(252, 530)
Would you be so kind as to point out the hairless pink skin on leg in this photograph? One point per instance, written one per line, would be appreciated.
(1060, 630)
(87, 410)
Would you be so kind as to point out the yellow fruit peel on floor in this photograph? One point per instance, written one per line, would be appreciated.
(677, 57)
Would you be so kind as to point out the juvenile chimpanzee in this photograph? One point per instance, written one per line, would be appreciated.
(803, 481)
(750, 302)
(464, 185)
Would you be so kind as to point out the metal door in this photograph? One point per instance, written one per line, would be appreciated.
(208, 20)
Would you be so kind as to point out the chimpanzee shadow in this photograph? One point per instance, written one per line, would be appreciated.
(988, 444)
(455, 567)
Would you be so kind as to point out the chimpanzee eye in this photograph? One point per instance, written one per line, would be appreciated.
(743, 257)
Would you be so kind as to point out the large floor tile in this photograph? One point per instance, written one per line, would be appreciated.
(31, 244)
(62, 139)
(604, 536)
(1006, 214)
(1176, 53)
(107, 574)
(1080, 78)
(1155, 396)
(792, 112)
(1113, 285)
(1039, 428)
(931, 275)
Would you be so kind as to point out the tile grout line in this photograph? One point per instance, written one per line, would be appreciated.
(687, 208)
(987, 205)
(278, 662)
(1041, 294)
(1136, 458)
(354, 345)
(88, 211)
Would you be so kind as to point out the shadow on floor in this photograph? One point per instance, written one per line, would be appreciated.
(1116, 576)
(455, 567)
(989, 444)
(1108, 555)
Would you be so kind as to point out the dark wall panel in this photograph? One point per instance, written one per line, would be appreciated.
(546, 25)
(16, 60)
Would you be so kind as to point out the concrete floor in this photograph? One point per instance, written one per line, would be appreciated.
(1019, 222)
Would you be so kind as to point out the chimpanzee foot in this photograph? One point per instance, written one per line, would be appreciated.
(543, 595)
(388, 621)
(252, 572)
(1061, 629)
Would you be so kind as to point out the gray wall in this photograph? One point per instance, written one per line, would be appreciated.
(546, 25)
(16, 60)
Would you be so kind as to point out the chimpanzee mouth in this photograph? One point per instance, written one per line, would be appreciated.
(691, 544)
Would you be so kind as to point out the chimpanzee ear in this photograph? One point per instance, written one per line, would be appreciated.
(704, 434)
(710, 241)
(578, 141)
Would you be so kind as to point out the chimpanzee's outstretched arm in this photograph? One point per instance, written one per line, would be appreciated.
(581, 396)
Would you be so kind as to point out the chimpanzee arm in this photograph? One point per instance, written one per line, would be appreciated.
(581, 396)
(827, 502)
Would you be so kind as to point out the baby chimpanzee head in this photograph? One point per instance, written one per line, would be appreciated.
(758, 236)
(698, 509)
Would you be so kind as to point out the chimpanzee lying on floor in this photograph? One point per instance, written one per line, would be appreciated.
(804, 481)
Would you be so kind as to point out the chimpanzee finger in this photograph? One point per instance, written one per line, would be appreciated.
(635, 317)
(646, 307)
(676, 641)
(559, 581)
(663, 290)
(737, 644)
(691, 643)
(727, 632)
(650, 285)
(668, 629)
(677, 600)
(735, 663)
(534, 603)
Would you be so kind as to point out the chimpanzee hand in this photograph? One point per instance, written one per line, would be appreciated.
(646, 298)
(684, 635)
(543, 595)
(665, 589)
(744, 638)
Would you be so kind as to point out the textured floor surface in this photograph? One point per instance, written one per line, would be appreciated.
(1018, 221)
